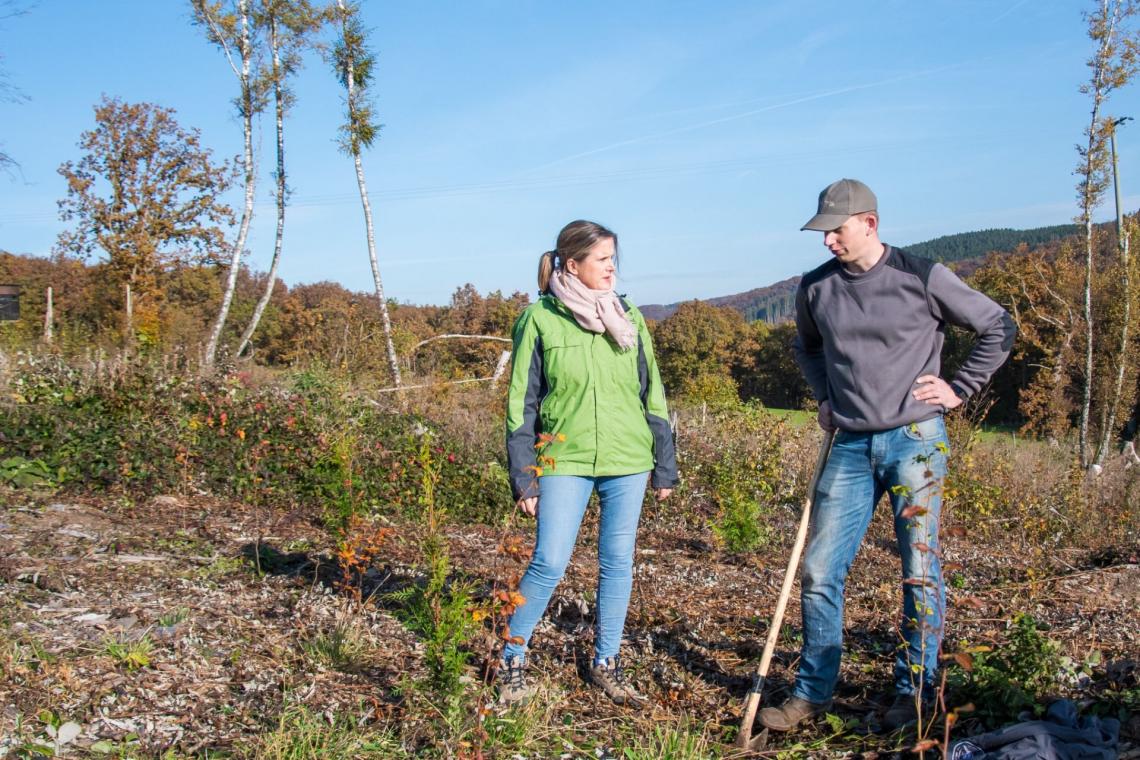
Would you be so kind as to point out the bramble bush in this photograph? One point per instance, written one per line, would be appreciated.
(302, 439)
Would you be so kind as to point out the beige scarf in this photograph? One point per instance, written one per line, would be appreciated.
(595, 310)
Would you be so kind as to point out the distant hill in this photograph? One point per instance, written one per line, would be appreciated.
(776, 302)
(972, 245)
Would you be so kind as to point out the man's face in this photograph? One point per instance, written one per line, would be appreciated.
(856, 242)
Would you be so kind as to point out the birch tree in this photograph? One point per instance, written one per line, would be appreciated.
(289, 26)
(232, 30)
(354, 64)
(1111, 67)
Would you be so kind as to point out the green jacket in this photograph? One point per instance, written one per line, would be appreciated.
(603, 408)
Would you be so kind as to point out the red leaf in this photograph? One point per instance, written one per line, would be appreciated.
(971, 601)
(913, 509)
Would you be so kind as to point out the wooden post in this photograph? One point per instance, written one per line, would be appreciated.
(49, 318)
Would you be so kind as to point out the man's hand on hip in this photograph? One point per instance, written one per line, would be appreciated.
(932, 389)
(824, 416)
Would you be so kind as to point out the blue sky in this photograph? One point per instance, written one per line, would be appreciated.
(701, 132)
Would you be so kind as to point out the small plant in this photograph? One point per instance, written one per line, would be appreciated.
(18, 472)
(362, 543)
(681, 741)
(439, 611)
(1010, 679)
(302, 734)
(173, 617)
(57, 734)
(134, 654)
(342, 648)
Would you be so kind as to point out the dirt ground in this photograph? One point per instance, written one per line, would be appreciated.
(229, 644)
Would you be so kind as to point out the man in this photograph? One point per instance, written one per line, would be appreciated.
(870, 326)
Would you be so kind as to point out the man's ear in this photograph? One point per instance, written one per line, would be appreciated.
(872, 221)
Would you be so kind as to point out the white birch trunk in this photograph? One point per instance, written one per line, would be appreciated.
(393, 361)
(210, 353)
(279, 98)
(1087, 204)
(1109, 423)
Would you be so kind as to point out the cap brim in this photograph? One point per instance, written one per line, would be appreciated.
(825, 222)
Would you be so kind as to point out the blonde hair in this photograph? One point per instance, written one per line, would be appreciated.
(573, 244)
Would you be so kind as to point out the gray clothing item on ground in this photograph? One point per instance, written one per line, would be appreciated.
(1061, 736)
(864, 338)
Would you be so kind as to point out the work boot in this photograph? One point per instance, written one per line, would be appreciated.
(609, 675)
(513, 687)
(790, 714)
(903, 711)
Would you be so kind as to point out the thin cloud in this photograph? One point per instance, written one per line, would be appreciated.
(743, 115)
(1008, 11)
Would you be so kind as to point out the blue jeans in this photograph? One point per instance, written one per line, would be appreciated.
(909, 464)
(562, 503)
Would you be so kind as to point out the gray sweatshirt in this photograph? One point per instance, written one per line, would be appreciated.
(864, 338)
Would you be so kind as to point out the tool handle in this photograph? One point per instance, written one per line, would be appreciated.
(794, 559)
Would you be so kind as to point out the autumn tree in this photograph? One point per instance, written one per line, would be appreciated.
(230, 26)
(771, 373)
(354, 64)
(1041, 289)
(700, 343)
(148, 196)
(1112, 66)
(288, 29)
(469, 314)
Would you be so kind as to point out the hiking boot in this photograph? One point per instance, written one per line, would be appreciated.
(513, 687)
(609, 675)
(790, 714)
(903, 711)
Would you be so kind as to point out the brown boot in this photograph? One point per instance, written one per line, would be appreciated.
(790, 714)
(608, 674)
(904, 711)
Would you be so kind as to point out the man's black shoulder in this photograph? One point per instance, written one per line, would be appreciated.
(910, 264)
(821, 272)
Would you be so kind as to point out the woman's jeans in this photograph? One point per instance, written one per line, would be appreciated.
(909, 464)
(562, 503)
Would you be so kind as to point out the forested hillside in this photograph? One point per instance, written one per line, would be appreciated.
(774, 303)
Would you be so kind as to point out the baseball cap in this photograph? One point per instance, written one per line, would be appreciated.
(840, 201)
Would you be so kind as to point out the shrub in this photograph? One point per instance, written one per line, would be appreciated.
(1014, 677)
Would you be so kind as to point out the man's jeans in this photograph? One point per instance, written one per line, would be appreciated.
(562, 503)
(909, 464)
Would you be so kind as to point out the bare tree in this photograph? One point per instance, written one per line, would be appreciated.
(8, 91)
(1112, 66)
(354, 63)
(233, 31)
(289, 26)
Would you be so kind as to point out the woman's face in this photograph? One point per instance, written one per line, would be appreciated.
(596, 270)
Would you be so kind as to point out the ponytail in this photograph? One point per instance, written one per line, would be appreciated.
(545, 270)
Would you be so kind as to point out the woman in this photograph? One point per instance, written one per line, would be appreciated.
(585, 412)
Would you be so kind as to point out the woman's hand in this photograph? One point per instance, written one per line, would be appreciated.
(528, 506)
(662, 493)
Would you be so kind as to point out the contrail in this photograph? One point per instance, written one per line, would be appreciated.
(744, 115)
(1009, 10)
